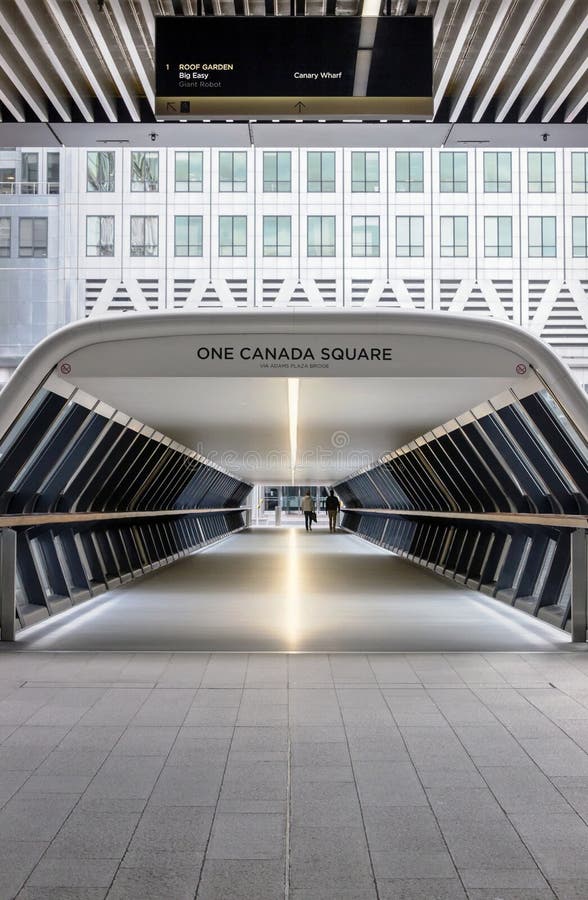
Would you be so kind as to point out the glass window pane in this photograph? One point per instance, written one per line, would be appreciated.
(5, 226)
(402, 175)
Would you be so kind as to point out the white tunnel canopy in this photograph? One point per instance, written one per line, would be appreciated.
(353, 386)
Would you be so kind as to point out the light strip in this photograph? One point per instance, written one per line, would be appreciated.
(293, 393)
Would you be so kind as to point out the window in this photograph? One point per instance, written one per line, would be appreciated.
(144, 236)
(32, 237)
(497, 173)
(497, 236)
(144, 171)
(454, 235)
(453, 173)
(321, 235)
(277, 171)
(7, 180)
(100, 171)
(541, 173)
(365, 172)
(29, 173)
(53, 172)
(189, 170)
(320, 173)
(277, 236)
(410, 236)
(409, 172)
(365, 235)
(232, 235)
(188, 236)
(542, 236)
(579, 173)
(100, 236)
(232, 171)
(579, 231)
(5, 233)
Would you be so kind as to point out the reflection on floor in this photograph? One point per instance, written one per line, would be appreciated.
(284, 589)
(161, 776)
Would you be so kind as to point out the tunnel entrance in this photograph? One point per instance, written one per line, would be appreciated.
(457, 450)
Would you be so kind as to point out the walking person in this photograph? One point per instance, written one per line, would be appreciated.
(307, 507)
(332, 506)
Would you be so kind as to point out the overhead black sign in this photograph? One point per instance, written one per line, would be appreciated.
(294, 66)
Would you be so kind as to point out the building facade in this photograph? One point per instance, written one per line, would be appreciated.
(503, 233)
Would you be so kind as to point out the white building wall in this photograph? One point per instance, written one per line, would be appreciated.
(546, 295)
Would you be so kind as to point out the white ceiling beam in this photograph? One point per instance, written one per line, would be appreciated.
(535, 59)
(28, 89)
(104, 50)
(149, 18)
(553, 102)
(512, 48)
(59, 65)
(530, 102)
(480, 60)
(577, 102)
(458, 45)
(129, 42)
(35, 64)
(440, 14)
(81, 58)
(11, 99)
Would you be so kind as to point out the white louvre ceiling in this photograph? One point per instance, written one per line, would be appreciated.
(91, 61)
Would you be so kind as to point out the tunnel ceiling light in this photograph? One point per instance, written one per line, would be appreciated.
(293, 394)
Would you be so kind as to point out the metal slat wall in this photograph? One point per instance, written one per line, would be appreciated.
(495, 494)
(89, 61)
(98, 499)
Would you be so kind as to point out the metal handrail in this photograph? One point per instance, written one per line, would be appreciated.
(19, 521)
(549, 520)
(29, 187)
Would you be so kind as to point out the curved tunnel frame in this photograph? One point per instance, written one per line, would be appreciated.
(523, 455)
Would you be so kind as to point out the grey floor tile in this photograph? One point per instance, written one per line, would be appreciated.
(230, 697)
(322, 773)
(485, 840)
(155, 882)
(413, 864)
(212, 715)
(332, 805)
(138, 740)
(557, 755)
(201, 744)
(521, 790)
(17, 861)
(188, 785)
(247, 836)
(388, 784)
(56, 784)
(73, 872)
(94, 834)
(237, 879)
(367, 892)
(573, 889)
(327, 858)
(320, 753)
(10, 782)
(557, 841)
(499, 878)
(260, 780)
(61, 893)
(517, 894)
(165, 706)
(27, 817)
(73, 762)
(183, 829)
(421, 889)
(317, 733)
(435, 746)
(492, 745)
(126, 776)
(453, 779)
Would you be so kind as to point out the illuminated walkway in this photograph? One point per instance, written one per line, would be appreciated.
(283, 589)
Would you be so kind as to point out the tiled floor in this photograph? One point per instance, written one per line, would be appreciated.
(162, 776)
